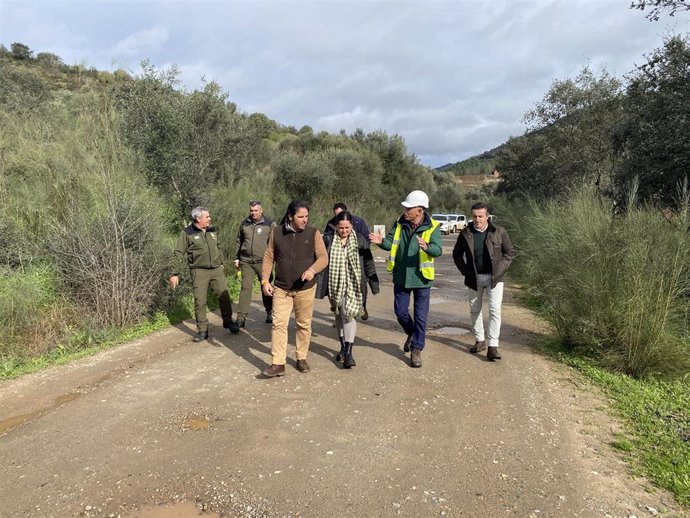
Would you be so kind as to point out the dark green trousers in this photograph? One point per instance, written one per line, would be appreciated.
(249, 270)
(214, 278)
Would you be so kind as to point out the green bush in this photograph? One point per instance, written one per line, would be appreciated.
(25, 297)
(614, 287)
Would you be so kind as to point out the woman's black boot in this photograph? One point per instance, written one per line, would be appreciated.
(339, 357)
(349, 360)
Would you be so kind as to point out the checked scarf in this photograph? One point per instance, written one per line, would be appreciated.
(340, 283)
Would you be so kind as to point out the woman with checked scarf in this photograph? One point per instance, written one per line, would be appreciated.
(350, 265)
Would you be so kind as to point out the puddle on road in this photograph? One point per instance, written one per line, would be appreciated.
(181, 510)
(66, 398)
(196, 423)
(11, 422)
(451, 331)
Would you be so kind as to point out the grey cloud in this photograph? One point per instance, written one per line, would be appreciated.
(452, 77)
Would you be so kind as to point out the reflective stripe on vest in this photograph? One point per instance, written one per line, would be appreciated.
(426, 262)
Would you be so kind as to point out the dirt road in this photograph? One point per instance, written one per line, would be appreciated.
(163, 421)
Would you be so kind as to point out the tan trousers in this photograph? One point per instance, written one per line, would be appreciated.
(283, 303)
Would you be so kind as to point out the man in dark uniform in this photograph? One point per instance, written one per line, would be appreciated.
(251, 242)
(198, 247)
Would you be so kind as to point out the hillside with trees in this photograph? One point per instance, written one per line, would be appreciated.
(99, 171)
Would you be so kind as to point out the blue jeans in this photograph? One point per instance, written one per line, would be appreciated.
(415, 327)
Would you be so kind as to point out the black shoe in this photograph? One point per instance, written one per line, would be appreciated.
(339, 357)
(234, 327)
(200, 336)
(493, 354)
(408, 342)
(349, 361)
(269, 317)
(303, 366)
(365, 315)
(416, 357)
(478, 346)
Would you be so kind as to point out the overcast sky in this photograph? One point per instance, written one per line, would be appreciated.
(454, 78)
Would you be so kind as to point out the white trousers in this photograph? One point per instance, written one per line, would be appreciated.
(495, 296)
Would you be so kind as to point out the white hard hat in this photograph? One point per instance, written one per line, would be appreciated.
(416, 199)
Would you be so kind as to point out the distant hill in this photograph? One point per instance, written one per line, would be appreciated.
(482, 164)
(47, 71)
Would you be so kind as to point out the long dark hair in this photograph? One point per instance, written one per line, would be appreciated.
(292, 209)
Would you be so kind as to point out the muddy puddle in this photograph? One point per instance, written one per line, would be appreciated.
(181, 510)
(196, 423)
(11, 422)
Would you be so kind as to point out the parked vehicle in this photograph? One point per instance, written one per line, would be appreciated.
(459, 222)
(444, 221)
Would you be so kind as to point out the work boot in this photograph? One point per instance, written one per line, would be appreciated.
(478, 346)
(493, 354)
(339, 357)
(234, 327)
(416, 357)
(303, 366)
(408, 342)
(269, 317)
(200, 336)
(274, 370)
(349, 360)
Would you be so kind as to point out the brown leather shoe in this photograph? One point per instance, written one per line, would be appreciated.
(303, 366)
(416, 357)
(493, 354)
(274, 370)
(478, 346)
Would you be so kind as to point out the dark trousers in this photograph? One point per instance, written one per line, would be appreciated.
(249, 271)
(416, 327)
(202, 280)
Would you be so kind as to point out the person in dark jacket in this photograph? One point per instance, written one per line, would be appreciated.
(250, 244)
(483, 253)
(413, 242)
(350, 266)
(360, 226)
(298, 253)
(197, 247)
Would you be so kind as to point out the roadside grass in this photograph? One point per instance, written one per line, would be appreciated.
(656, 416)
(86, 340)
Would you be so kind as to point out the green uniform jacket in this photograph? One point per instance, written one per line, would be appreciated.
(252, 239)
(406, 272)
(197, 249)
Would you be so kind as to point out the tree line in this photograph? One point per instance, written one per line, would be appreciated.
(608, 134)
(99, 171)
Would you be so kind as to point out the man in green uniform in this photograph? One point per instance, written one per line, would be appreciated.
(198, 247)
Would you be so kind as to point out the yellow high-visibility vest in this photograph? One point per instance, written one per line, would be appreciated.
(426, 262)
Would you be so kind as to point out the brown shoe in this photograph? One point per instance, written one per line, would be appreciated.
(303, 366)
(493, 354)
(274, 370)
(416, 357)
(478, 346)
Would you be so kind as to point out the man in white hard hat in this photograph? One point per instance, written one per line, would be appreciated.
(413, 242)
